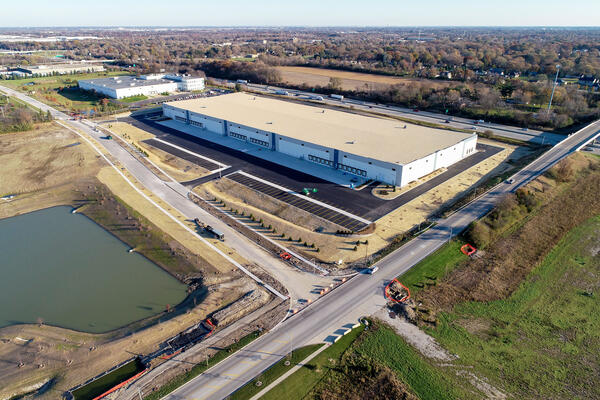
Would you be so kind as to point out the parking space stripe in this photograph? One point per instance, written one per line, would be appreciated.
(303, 204)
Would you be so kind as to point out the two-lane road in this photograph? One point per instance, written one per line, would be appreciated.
(363, 294)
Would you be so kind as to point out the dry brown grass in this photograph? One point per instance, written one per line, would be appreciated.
(119, 187)
(39, 159)
(178, 168)
(350, 80)
(504, 265)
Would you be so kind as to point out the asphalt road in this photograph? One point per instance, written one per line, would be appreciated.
(363, 294)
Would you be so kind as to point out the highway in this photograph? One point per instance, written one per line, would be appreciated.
(363, 294)
(360, 296)
(526, 135)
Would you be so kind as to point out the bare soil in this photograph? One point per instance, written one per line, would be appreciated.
(350, 80)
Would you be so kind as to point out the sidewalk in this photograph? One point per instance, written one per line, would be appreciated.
(288, 373)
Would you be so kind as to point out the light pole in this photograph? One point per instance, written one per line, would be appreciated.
(553, 87)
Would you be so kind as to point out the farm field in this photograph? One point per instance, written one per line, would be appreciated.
(350, 80)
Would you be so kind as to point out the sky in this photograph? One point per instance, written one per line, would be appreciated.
(299, 13)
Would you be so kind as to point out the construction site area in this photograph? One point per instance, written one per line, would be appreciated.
(312, 234)
(52, 166)
(336, 225)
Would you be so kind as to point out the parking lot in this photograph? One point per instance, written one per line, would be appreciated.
(361, 203)
(305, 204)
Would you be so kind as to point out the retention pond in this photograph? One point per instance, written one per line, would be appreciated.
(65, 270)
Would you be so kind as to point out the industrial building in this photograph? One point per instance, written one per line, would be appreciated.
(119, 87)
(365, 147)
(61, 69)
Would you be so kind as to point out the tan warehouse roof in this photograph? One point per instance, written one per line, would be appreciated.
(378, 138)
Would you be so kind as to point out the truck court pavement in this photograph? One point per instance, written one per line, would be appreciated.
(358, 202)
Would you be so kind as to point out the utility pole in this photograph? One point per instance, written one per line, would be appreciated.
(553, 87)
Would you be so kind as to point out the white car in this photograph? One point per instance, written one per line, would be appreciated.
(372, 270)
(510, 181)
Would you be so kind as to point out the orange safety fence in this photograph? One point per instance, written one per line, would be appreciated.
(467, 249)
(387, 294)
(120, 385)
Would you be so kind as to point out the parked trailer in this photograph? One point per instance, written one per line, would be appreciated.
(209, 229)
(337, 97)
(215, 232)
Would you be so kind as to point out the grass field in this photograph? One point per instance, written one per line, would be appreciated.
(133, 99)
(274, 372)
(301, 382)
(543, 341)
(436, 266)
(201, 367)
(426, 381)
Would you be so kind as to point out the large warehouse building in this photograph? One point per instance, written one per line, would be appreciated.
(61, 69)
(385, 150)
(119, 87)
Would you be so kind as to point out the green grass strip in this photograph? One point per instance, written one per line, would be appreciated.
(390, 349)
(108, 381)
(433, 268)
(275, 371)
(301, 382)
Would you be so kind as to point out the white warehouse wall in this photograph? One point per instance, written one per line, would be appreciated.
(390, 173)
(258, 134)
(100, 89)
(146, 90)
(377, 170)
(301, 149)
(212, 124)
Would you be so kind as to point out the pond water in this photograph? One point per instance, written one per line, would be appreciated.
(67, 271)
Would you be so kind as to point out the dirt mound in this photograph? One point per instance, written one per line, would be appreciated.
(507, 262)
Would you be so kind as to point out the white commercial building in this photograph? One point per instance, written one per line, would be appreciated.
(119, 87)
(380, 149)
(61, 69)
